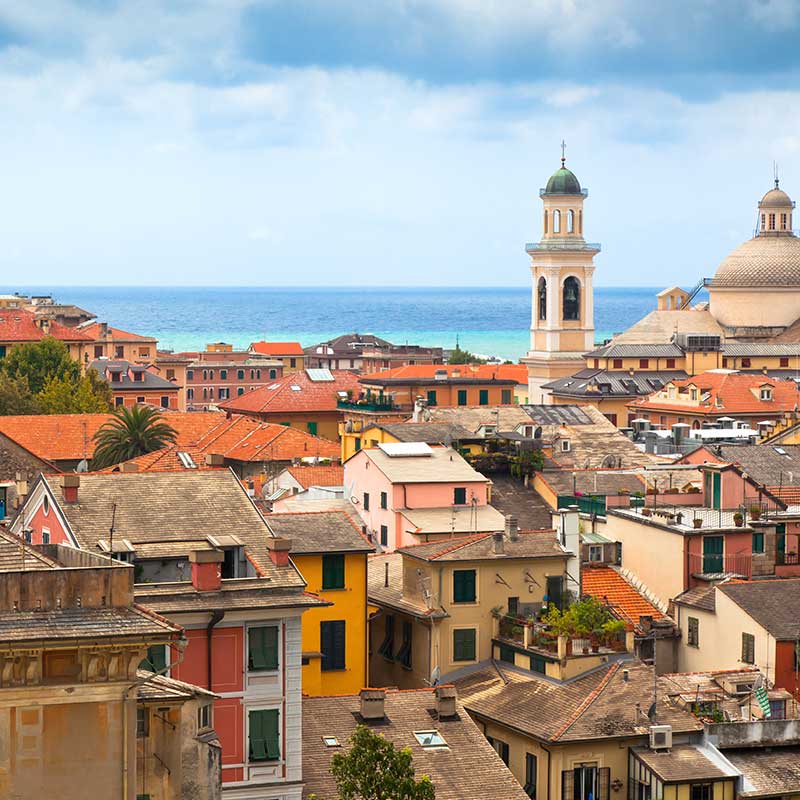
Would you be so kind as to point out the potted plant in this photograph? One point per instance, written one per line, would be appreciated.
(612, 628)
(679, 518)
(755, 512)
(697, 522)
(646, 512)
(738, 519)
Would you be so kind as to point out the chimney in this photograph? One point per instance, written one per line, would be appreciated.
(512, 529)
(70, 483)
(206, 570)
(497, 543)
(420, 409)
(279, 550)
(129, 466)
(215, 460)
(372, 704)
(103, 330)
(446, 697)
(22, 488)
(631, 371)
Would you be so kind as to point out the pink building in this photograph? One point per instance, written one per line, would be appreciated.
(409, 492)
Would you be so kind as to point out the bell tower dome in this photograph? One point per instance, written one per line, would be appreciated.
(562, 270)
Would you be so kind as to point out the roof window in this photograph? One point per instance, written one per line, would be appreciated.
(430, 738)
(186, 460)
(295, 388)
(331, 741)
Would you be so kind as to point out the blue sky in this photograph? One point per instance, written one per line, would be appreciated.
(389, 142)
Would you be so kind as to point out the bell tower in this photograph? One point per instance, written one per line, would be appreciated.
(562, 269)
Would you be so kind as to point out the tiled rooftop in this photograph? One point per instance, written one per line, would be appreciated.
(608, 586)
(320, 532)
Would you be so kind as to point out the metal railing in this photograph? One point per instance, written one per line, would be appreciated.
(716, 564)
(365, 405)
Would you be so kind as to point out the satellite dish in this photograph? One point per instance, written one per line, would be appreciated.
(83, 466)
(435, 675)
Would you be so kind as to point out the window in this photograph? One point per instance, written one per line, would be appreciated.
(783, 222)
(538, 664)
(384, 536)
(273, 373)
(748, 648)
(45, 536)
(758, 542)
(118, 401)
(766, 393)
(505, 397)
(292, 362)
(644, 363)
(462, 397)
(312, 428)
(784, 362)
(693, 632)
(507, 654)
(565, 446)
(190, 394)
(701, 791)
(264, 735)
(617, 363)
(777, 709)
(556, 221)
(156, 658)
(585, 781)
(170, 374)
(333, 571)
(745, 362)
(189, 374)
(404, 653)
(724, 363)
(542, 293)
(464, 644)
(140, 399)
(119, 351)
(763, 221)
(223, 374)
(483, 397)
(670, 363)
(142, 723)
(205, 716)
(330, 741)
(595, 552)
(460, 496)
(164, 401)
(240, 374)
(501, 748)
(384, 500)
(430, 738)
(262, 648)
(570, 221)
(771, 218)
(432, 397)
(357, 443)
(464, 586)
(366, 501)
(258, 374)
(387, 645)
(555, 590)
(530, 774)
(572, 299)
(332, 644)
(693, 394)
(240, 391)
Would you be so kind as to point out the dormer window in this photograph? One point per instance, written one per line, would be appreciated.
(694, 394)
(766, 393)
(566, 445)
(138, 376)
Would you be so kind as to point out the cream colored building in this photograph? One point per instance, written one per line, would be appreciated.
(562, 270)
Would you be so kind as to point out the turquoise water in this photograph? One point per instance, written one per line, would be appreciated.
(490, 321)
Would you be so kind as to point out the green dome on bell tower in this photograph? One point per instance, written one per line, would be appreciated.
(563, 181)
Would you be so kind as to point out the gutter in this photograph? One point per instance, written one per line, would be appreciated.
(216, 617)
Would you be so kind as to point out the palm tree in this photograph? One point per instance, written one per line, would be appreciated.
(130, 433)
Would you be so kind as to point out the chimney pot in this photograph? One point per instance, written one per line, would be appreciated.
(279, 548)
(512, 528)
(498, 540)
(215, 460)
(70, 484)
(206, 569)
(129, 466)
(372, 704)
(446, 697)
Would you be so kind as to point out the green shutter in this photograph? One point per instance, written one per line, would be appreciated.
(464, 586)
(459, 496)
(156, 659)
(384, 500)
(462, 397)
(263, 648)
(312, 428)
(464, 645)
(432, 397)
(758, 542)
(483, 397)
(264, 735)
(505, 397)
(332, 644)
(333, 572)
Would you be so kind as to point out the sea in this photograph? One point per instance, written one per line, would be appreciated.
(486, 321)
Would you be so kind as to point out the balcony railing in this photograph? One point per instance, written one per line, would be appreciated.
(366, 405)
(716, 564)
(787, 559)
(534, 635)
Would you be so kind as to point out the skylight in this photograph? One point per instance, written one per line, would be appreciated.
(273, 386)
(430, 738)
(295, 388)
(186, 460)
(330, 741)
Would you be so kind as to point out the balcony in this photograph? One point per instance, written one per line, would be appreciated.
(740, 564)
(368, 405)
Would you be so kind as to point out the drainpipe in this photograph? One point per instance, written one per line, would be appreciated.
(181, 645)
(216, 617)
(549, 759)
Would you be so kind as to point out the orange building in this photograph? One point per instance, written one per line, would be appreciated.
(290, 354)
(136, 385)
(18, 326)
(108, 342)
(448, 384)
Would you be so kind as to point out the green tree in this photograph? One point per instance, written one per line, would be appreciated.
(459, 356)
(16, 397)
(131, 432)
(374, 769)
(88, 394)
(40, 361)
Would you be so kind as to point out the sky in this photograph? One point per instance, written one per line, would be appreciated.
(388, 142)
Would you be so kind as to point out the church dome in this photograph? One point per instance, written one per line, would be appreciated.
(563, 181)
(762, 261)
(776, 198)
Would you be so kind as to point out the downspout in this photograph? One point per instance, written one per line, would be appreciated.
(549, 759)
(181, 645)
(216, 617)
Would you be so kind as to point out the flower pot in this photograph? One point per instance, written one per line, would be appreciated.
(646, 512)
(698, 523)
(585, 650)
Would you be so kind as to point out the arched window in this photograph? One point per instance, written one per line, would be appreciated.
(545, 221)
(556, 221)
(572, 298)
(783, 222)
(763, 222)
(570, 221)
(542, 295)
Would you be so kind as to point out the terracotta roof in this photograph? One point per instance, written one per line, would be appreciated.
(17, 325)
(596, 705)
(68, 437)
(772, 772)
(772, 604)
(278, 348)
(467, 767)
(681, 763)
(320, 532)
(480, 547)
(726, 393)
(95, 331)
(608, 586)
(702, 597)
(281, 398)
(472, 373)
(170, 506)
(318, 475)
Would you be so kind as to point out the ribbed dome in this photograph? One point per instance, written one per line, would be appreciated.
(776, 198)
(762, 261)
(563, 181)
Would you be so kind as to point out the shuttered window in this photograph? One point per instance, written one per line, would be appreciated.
(264, 735)
(333, 572)
(748, 648)
(384, 536)
(462, 397)
(693, 632)
(460, 496)
(404, 653)
(332, 644)
(262, 648)
(384, 500)
(483, 397)
(505, 397)
(530, 774)
(387, 645)
(464, 645)
(156, 659)
(464, 586)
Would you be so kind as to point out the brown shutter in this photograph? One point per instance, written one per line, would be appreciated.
(603, 783)
(567, 784)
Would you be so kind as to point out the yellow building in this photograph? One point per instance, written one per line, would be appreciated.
(331, 554)
(439, 602)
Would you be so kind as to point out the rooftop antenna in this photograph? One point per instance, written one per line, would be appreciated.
(563, 153)
(111, 529)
